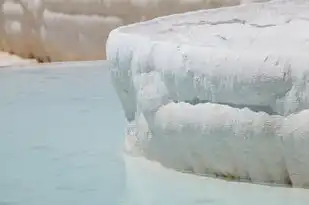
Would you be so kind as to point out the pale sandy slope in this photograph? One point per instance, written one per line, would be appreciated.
(7, 59)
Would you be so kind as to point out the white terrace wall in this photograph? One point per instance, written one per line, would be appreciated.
(57, 30)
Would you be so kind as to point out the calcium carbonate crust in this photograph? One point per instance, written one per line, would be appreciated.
(222, 91)
(55, 30)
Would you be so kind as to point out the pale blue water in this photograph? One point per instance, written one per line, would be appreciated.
(61, 137)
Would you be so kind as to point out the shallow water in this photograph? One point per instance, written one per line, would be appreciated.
(61, 135)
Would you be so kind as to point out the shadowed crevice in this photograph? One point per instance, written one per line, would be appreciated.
(254, 108)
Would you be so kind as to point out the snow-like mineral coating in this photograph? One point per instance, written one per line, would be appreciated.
(53, 30)
(222, 91)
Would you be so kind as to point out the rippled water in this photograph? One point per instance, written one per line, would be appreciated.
(61, 134)
(60, 137)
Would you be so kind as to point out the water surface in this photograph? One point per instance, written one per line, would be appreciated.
(60, 136)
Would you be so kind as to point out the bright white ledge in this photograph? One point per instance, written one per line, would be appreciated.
(57, 30)
(222, 91)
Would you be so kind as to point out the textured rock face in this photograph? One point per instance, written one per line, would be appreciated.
(221, 92)
(53, 30)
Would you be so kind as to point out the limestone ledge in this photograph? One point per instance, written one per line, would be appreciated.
(57, 30)
(221, 92)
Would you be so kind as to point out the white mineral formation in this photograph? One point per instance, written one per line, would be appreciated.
(222, 91)
(54, 30)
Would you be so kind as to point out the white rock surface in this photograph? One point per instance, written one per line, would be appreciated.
(220, 92)
(53, 30)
